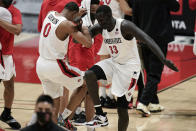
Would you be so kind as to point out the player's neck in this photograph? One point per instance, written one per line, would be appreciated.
(113, 24)
(65, 14)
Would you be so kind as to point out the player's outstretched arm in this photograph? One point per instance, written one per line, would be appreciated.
(129, 30)
(95, 30)
(14, 29)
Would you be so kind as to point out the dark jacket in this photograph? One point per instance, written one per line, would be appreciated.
(37, 127)
(153, 17)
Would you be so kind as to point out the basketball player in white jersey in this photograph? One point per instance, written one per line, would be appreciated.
(119, 8)
(123, 68)
(53, 69)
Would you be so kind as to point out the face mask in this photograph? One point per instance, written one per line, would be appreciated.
(44, 117)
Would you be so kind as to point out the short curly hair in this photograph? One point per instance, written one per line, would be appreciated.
(45, 98)
(7, 3)
(105, 10)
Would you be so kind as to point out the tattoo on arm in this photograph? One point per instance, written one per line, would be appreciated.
(130, 30)
(95, 30)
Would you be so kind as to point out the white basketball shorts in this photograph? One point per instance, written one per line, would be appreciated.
(7, 67)
(122, 76)
(55, 74)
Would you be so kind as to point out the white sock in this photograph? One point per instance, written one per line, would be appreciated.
(66, 113)
(78, 110)
(102, 91)
(110, 94)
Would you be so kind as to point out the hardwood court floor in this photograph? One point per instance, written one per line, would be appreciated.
(179, 114)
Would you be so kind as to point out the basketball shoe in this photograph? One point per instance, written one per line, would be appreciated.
(8, 119)
(110, 103)
(66, 124)
(79, 119)
(143, 110)
(155, 108)
(98, 121)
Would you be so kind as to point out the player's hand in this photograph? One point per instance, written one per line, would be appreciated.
(171, 65)
(78, 21)
(82, 12)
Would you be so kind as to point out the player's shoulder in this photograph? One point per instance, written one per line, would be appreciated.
(126, 24)
(4, 11)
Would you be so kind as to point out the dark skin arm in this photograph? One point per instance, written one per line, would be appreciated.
(69, 28)
(130, 30)
(14, 29)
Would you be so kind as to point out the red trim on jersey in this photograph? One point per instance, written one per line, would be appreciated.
(66, 70)
(132, 84)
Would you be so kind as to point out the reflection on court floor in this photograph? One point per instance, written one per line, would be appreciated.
(179, 114)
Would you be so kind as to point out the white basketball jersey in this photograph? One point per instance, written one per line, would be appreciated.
(121, 50)
(50, 47)
(5, 14)
(115, 6)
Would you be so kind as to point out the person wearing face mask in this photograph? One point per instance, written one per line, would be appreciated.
(44, 108)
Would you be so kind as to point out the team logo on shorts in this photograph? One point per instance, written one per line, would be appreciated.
(116, 33)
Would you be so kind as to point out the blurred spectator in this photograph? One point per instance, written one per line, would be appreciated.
(44, 109)
(153, 17)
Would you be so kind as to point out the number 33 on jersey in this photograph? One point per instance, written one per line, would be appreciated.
(120, 49)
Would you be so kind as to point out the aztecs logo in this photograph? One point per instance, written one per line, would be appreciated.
(113, 41)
